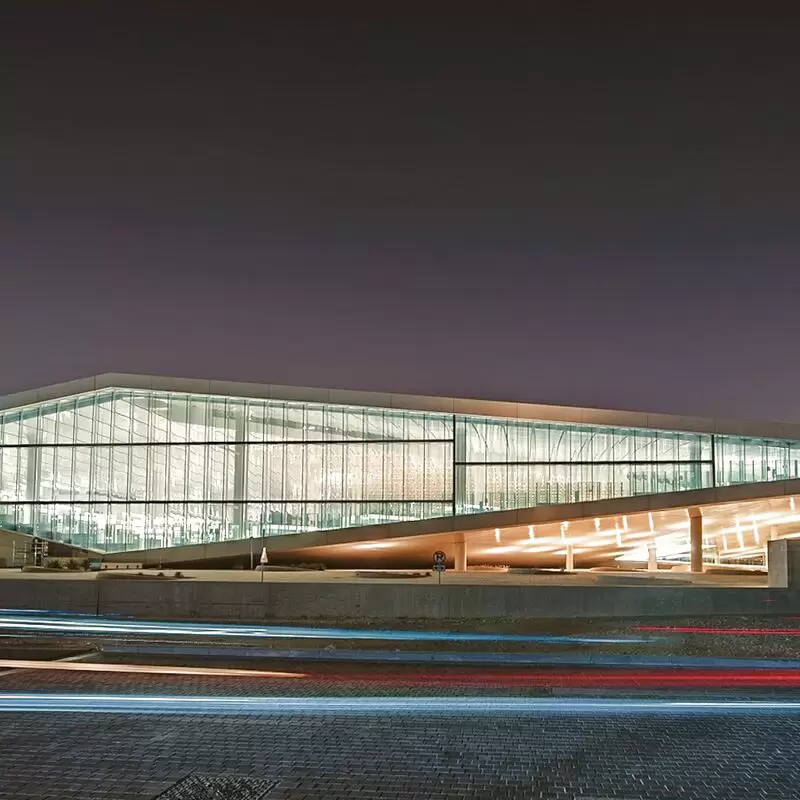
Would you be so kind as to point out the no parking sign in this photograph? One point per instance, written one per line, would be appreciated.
(439, 563)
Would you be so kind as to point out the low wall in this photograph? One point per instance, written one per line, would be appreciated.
(296, 601)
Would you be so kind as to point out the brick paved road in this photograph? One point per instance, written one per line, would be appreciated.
(126, 757)
(68, 755)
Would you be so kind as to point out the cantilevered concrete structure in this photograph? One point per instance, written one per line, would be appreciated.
(177, 471)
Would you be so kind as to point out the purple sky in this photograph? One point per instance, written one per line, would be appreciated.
(552, 208)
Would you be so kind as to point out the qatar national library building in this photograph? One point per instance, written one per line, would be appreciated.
(196, 471)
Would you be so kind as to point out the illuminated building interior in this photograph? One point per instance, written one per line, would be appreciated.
(125, 463)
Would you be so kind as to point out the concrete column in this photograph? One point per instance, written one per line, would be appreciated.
(570, 559)
(784, 563)
(772, 535)
(696, 539)
(652, 557)
(461, 553)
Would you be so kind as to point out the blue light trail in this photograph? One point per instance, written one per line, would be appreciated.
(96, 626)
(400, 706)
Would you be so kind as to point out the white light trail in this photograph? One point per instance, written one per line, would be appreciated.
(405, 706)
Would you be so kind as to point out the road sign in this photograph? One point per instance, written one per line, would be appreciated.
(439, 563)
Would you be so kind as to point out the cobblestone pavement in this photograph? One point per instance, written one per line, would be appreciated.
(402, 757)
(381, 755)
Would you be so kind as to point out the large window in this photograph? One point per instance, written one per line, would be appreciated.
(514, 464)
(124, 469)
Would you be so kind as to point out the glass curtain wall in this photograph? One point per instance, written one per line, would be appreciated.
(129, 470)
(509, 464)
(122, 469)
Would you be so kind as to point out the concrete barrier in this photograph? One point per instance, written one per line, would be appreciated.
(211, 600)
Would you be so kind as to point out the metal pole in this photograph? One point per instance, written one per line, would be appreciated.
(251, 554)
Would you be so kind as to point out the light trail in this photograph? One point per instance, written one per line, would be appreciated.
(86, 625)
(368, 706)
(149, 669)
(719, 631)
(456, 676)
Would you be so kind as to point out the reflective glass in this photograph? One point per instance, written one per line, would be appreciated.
(123, 469)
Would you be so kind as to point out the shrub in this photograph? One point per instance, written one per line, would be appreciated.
(72, 564)
(178, 574)
(54, 563)
(160, 575)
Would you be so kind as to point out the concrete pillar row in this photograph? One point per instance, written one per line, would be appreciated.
(695, 539)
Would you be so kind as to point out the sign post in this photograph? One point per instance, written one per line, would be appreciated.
(439, 563)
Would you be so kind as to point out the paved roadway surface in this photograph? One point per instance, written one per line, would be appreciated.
(677, 756)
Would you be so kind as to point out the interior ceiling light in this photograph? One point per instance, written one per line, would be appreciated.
(374, 545)
(677, 526)
(596, 543)
(782, 519)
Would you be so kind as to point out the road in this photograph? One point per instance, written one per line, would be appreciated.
(410, 755)
(337, 735)
(137, 727)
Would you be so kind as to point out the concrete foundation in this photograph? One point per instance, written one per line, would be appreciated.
(783, 560)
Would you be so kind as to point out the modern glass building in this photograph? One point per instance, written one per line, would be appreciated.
(119, 467)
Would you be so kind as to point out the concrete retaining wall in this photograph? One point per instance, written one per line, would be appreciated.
(296, 601)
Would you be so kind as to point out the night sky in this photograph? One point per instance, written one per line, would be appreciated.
(571, 206)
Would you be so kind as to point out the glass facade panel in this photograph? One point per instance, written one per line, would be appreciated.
(122, 469)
